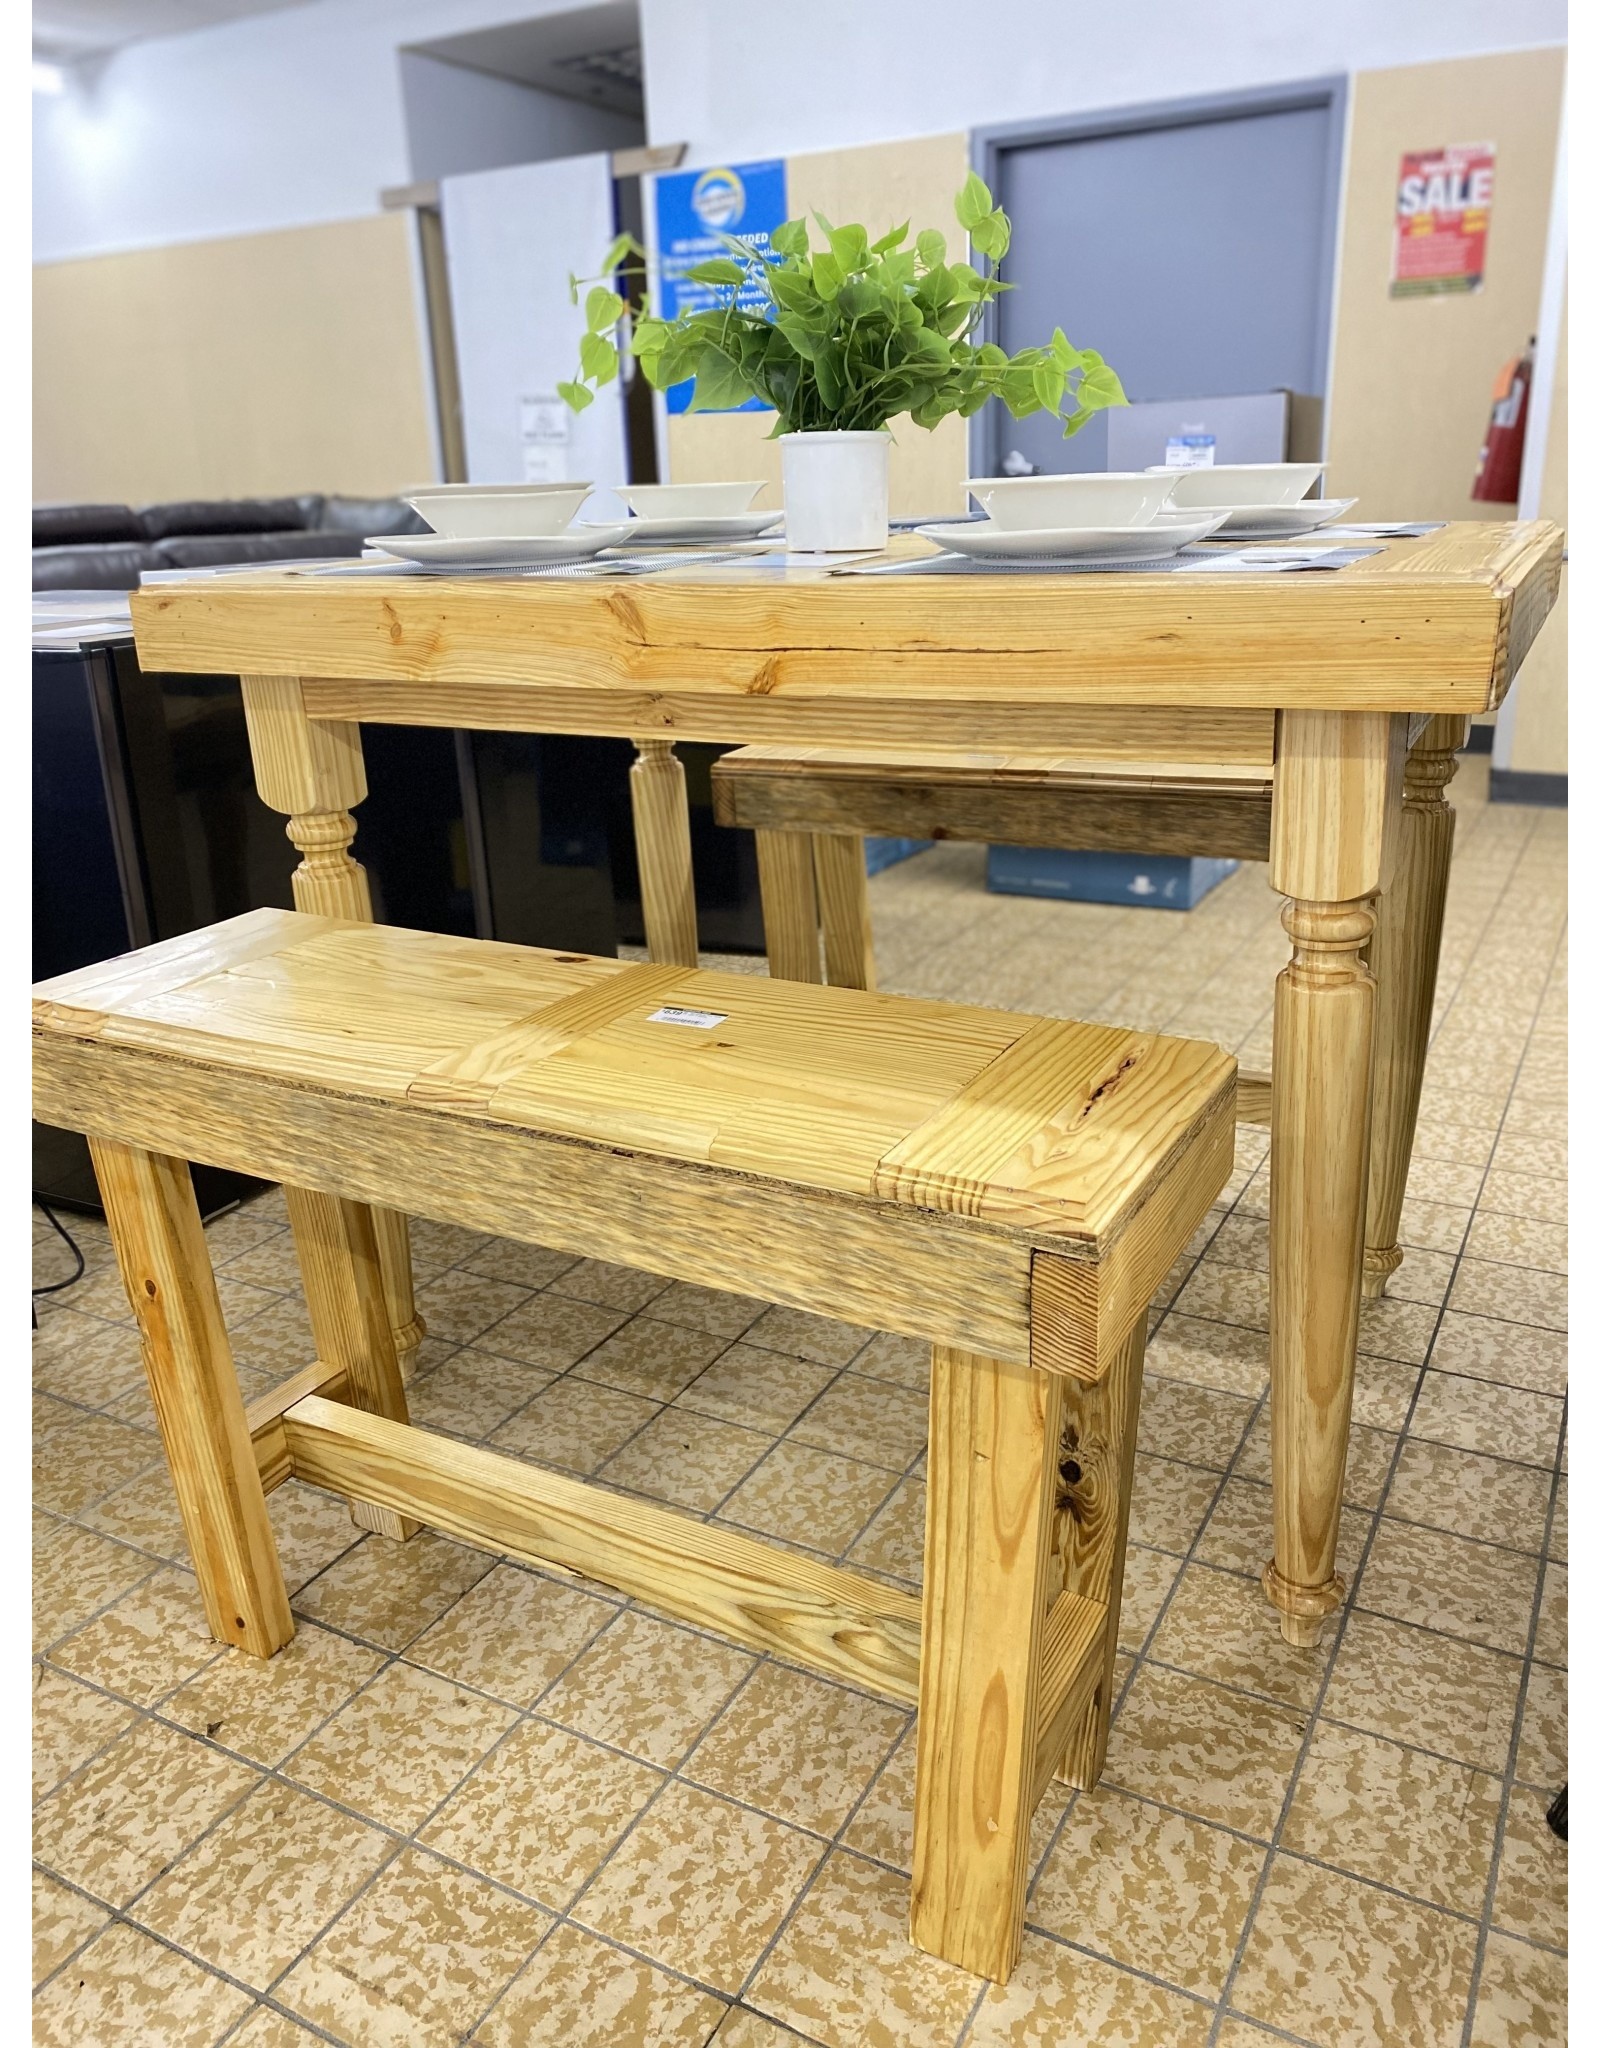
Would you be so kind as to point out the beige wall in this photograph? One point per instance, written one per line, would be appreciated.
(267, 363)
(1412, 378)
(880, 185)
(1539, 734)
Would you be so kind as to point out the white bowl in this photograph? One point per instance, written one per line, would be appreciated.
(688, 501)
(1096, 498)
(1243, 483)
(503, 511)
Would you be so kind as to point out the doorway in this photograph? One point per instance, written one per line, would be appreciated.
(1192, 244)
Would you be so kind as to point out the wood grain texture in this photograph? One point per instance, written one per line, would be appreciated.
(1254, 1098)
(1404, 957)
(166, 1269)
(1422, 625)
(337, 1248)
(1337, 799)
(998, 799)
(1072, 1665)
(789, 905)
(264, 1417)
(992, 1435)
(844, 908)
(660, 799)
(772, 1600)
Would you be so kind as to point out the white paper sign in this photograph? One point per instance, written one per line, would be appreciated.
(1191, 451)
(546, 426)
(697, 1020)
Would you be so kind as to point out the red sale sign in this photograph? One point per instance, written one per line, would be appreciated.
(1441, 220)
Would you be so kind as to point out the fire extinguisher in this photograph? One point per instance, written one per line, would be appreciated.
(1499, 477)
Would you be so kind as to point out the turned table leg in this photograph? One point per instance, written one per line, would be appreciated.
(787, 871)
(660, 796)
(1336, 790)
(161, 1251)
(1404, 956)
(311, 769)
(841, 859)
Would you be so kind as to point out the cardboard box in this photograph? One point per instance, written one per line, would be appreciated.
(1263, 426)
(1164, 881)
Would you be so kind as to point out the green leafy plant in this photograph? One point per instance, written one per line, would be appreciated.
(848, 336)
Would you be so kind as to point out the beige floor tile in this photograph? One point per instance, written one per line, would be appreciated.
(278, 1341)
(865, 1418)
(691, 1460)
(700, 1885)
(71, 1723)
(797, 1747)
(82, 1359)
(541, 1811)
(1169, 1502)
(819, 1338)
(250, 1895)
(62, 1922)
(574, 1425)
(1234, 2033)
(1057, 1996)
(905, 1360)
(76, 1572)
(1518, 1241)
(389, 1592)
(653, 1359)
(706, 1308)
(128, 1988)
(1512, 1354)
(1147, 1579)
(1542, 1744)
(1422, 1276)
(1539, 1196)
(1222, 1627)
(136, 1807)
(1530, 1893)
(1152, 1889)
(756, 1388)
(1194, 1423)
(264, 1708)
(268, 2029)
(87, 1458)
(270, 1262)
(473, 1392)
(1231, 1360)
(552, 1332)
(892, 1541)
(578, 1989)
(154, 1638)
(1414, 1685)
(608, 1286)
(648, 1688)
(813, 1498)
(1482, 1497)
(882, 1827)
(401, 1746)
(1218, 1755)
(845, 1974)
(1433, 1226)
(1504, 1422)
(1239, 1537)
(312, 1528)
(1226, 1293)
(1558, 1524)
(1383, 1393)
(524, 1265)
(143, 1513)
(1399, 1330)
(418, 1958)
(745, 2029)
(1444, 1582)
(1395, 1816)
(445, 1244)
(512, 1633)
(1522, 1997)
(1332, 1960)
(1550, 1641)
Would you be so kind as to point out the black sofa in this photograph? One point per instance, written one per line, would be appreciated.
(108, 547)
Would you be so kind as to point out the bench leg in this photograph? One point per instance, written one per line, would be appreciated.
(1099, 1427)
(161, 1250)
(841, 859)
(311, 769)
(789, 905)
(1404, 957)
(337, 1246)
(993, 1431)
(660, 794)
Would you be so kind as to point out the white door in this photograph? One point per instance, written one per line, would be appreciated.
(511, 238)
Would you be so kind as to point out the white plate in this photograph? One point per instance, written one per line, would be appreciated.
(1278, 522)
(443, 551)
(1152, 543)
(723, 526)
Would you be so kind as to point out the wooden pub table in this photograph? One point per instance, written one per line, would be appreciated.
(1329, 679)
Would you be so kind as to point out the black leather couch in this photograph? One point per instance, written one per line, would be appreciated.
(108, 547)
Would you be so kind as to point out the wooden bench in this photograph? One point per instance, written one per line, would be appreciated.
(1013, 1188)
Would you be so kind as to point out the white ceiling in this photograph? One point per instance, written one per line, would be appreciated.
(65, 29)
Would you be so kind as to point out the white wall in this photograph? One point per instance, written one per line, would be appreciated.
(460, 120)
(287, 118)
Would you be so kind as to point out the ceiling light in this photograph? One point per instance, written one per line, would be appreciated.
(48, 77)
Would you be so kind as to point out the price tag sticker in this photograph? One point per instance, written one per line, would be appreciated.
(696, 1020)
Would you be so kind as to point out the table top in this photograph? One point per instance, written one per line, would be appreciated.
(1436, 623)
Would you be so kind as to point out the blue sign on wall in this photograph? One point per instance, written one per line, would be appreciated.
(694, 209)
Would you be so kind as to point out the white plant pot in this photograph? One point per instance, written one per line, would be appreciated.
(835, 491)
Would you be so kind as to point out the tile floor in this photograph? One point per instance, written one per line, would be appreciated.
(474, 1802)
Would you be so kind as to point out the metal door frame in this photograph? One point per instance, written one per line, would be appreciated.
(988, 148)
